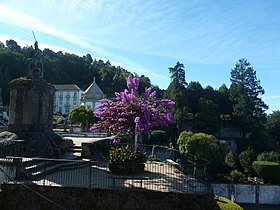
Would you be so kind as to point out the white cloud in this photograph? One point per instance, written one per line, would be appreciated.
(17, 19)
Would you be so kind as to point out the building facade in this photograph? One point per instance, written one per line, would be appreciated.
(92, 95)
(70, 96)
(66, 98)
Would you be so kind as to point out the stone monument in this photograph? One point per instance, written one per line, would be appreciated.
(31, 112)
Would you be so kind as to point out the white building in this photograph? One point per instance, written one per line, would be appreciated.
(69, 96)
(66, 98)
(92, 95)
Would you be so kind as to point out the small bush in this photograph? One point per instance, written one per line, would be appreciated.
(222, 203)
(269, 156)
(246, 159)
(236, 175)
(159, 137)
(269, 171)
(126, 160)
(231, 159)
(202, 145)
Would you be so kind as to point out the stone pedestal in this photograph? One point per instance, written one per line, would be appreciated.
(31, 106)
(30, 121)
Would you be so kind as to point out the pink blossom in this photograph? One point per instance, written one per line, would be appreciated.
(131, 113)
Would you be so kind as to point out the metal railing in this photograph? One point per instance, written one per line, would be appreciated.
(157, 175)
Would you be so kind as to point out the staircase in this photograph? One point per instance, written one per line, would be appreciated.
(36, 169)
(74, 153)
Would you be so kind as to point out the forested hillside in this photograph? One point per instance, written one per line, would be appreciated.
(63, 68)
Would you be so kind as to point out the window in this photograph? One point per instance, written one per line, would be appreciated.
(60, 101)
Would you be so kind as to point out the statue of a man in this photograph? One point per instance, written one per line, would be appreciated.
(34, 64)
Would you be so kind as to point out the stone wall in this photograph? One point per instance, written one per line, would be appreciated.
(19, 197)
(246, 193)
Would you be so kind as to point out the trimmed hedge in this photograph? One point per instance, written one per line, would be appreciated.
(269, 171)
(271, 156)
(159, 137)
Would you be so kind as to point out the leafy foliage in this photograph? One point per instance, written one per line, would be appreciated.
(208, 119)
(236, 175)
(201, 145)
(271, 156)
(126, 159)
(57, 116)
(246, 159)
(231, 159)
(222, 203)
(127, 154)
(178, 73)
(176, 92)
(248, 107)
(82, 115)
(159, 137)
(273, 128)
(269, 171)
(132, 113)
(62, 68)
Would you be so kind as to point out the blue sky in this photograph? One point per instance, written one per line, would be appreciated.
(147, 37)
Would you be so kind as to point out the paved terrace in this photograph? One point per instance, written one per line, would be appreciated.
(158, 176)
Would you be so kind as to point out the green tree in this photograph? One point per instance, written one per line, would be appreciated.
(178, 73)
(82, 115)
(231, 159)
(144, 83)
(246, 159)
(176, 92)
(194, 92)
(11, 67)
(2, 45)
(208, 118)
(12, 45)
(272, 126)
(224, 101)
(248, 107)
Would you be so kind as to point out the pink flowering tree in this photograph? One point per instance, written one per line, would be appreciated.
(131, 113)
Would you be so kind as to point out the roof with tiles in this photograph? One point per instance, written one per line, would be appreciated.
(67, 87)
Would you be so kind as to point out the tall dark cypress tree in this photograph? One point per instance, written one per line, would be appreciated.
(176, 91)
(248, 107)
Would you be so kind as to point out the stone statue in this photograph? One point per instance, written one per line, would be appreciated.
(35, 64)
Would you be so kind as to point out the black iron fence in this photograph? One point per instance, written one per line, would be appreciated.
(163, 176)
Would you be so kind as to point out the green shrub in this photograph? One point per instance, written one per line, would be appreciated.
(246, 159)
(126, 160)
(269, 156)
(231, 159)
(236, 175)
(202, 145)
(269, 171)
(57, 116)
(159, 137)
(222, 203)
